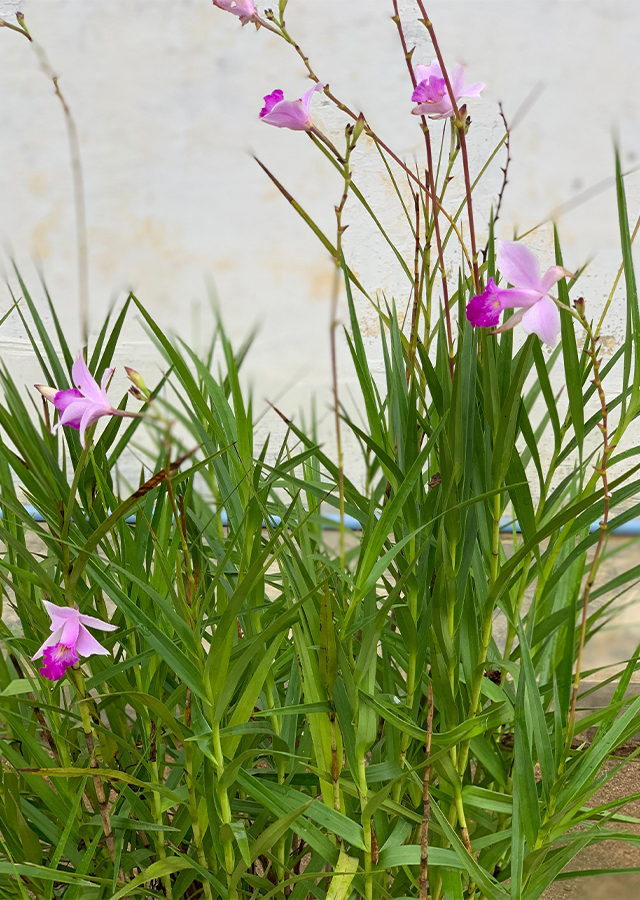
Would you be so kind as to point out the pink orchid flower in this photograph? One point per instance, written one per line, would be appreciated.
(538, 311)
(431, 92)
(244, 9)
(82, 406)
(68, 640)
(293, 114)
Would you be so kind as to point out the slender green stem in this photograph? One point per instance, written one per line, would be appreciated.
(366, 828)
(225, 809)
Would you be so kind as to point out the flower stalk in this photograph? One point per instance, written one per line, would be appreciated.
(103, 804)
(423, 883)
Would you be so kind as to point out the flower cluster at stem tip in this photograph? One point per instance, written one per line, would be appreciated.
(537, 310)
(81, 406)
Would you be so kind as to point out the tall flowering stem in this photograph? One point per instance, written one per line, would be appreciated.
(82, 246)
(352, 135)
(591, 349)
(460, 120)
(408, 54)
(278, 27)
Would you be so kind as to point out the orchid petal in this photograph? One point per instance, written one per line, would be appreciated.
(73, 413)
(543, 319)
(292, 114)
(306, 97)
(70, 631)
(456, 80)
(423, 73)
(472, 90)
(244, 9)
(87, 645)
(63, 399)
(61, 613)
(511, 322)
(104, 383)
(519, 265)
(84, 380)
(552, 276)
(512, 298)
(92, 622)
(288, 114)
(92, 413)
(441, 109)
(51, 641)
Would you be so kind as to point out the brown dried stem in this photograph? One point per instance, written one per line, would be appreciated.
(461, 123)
(408, 54)
(505, 168)
(415, 312)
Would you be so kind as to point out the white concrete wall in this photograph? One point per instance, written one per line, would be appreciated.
(166, 94)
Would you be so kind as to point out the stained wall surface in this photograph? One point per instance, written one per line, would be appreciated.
(166, 95)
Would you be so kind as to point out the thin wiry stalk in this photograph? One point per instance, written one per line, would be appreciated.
(505, 168)
(372, 134)
(340, 230)
(82, 245)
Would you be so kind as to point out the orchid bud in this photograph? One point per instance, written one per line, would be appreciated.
(358, 128)
(141, 390)
(579, 306)
(49, 393)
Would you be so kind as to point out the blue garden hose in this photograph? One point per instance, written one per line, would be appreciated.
(332, 521)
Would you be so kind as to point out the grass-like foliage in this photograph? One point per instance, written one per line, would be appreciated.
(280, 715)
